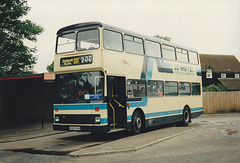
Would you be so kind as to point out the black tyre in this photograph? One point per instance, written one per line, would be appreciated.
(137, 123)
(186, 116)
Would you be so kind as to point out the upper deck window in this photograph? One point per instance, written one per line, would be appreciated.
(182, 55)
(152, 49)
(133, 45)
(88, 40)
(112, 40)
(193, 57)
(66, 43)
(168, 52)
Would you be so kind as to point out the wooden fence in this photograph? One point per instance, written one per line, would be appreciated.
(217, 102)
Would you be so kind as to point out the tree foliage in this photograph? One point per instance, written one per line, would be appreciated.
(15, 57)
(215, 88)
(166, 38)
(50, 67)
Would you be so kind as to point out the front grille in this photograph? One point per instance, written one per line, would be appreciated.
(77, 119)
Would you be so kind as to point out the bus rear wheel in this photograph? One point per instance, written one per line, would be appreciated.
(186, 116)
(137, 123)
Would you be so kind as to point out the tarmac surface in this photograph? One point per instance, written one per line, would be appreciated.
(23, 141)
(111, 143)
(25, 131)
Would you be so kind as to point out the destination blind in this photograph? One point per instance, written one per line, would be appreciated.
(79, 60)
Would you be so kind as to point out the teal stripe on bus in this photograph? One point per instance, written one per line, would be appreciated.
(165, 113)
(139, 103)
(104, 120)
(80, 106)
(197, 109)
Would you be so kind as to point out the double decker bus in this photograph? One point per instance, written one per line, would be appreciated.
(110, 79)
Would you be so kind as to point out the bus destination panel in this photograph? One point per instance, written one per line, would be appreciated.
(79, 60)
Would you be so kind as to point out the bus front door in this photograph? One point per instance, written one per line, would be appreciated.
(117, 110)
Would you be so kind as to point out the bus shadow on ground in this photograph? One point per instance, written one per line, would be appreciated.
(86, 140)
(107, 137)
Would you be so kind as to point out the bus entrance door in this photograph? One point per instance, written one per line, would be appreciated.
(117, 112)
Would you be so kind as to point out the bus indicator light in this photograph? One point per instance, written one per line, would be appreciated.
(97, 109)
(56, 109)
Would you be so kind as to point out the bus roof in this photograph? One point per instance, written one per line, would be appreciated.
(74, 27)
(96, 24)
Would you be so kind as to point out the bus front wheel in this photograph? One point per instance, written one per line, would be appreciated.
(137, 123)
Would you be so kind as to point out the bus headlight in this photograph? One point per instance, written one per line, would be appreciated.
(57, 119)
(97, 119)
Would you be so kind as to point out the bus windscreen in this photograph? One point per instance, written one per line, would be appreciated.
(80, 86)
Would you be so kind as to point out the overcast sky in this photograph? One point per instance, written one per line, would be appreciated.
(210, 26)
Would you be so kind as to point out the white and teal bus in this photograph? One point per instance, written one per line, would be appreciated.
(110, 79)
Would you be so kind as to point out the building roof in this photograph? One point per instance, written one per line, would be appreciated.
(45, 76)
(231, 83)
(220, 63)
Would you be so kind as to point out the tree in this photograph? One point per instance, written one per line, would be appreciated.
(50, 67)
(15, 57)
(219, 87)
(166, 38)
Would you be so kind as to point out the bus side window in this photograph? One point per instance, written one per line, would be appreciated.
(168, 52)
(155, 88)
(171, 88)
(112, 40)
(193, 58)
(182, 55)
(136, 88)
(133, 45)
(184, 88)
(196, 89)
(152, 49)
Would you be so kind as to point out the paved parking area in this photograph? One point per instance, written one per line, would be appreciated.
(209, 138)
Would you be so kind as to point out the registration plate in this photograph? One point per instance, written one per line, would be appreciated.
(74, 128)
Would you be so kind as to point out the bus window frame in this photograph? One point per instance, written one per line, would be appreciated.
(140, 82)
(99, 39)
(148, 85)
(123, 48)
(169, 95)
(160, 48)
(200, 92)
(179, 86)
(175, 57)
(56, 48)
(69, 100)
(197, 57)
(186, 54)
(129, 35)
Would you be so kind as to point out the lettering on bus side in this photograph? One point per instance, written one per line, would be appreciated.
(183, 68)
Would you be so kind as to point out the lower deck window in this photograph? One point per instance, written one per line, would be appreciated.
(184, 88)
(171, 88)
(196, 89)
(136, 88)
(155, 88)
